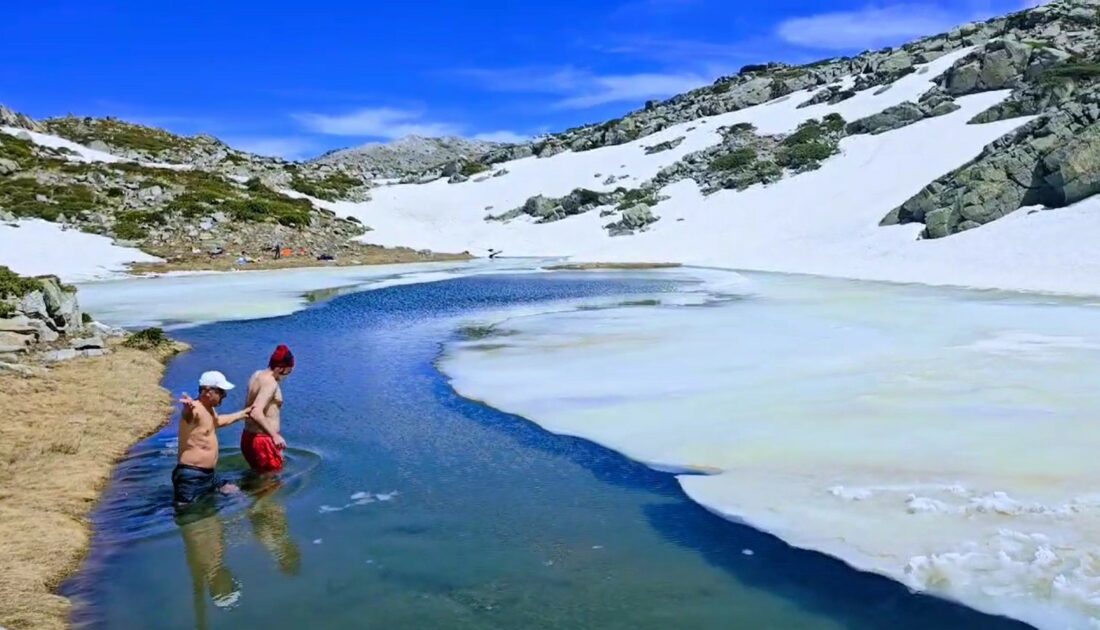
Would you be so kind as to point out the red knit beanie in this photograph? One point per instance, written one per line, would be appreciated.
(281, 358)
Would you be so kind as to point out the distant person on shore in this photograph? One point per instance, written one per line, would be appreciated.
(261, 442)
(194, 476)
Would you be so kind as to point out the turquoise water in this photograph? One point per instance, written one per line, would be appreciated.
(405, 505)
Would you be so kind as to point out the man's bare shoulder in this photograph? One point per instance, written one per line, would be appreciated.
(197, 414)
(262, 379)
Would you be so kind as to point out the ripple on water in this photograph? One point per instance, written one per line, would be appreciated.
(141, 510)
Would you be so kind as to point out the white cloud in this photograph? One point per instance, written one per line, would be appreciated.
(582, 89)
(390, 123)
(291, 148)
(377, 122)
(867, 28)
(503, 135)
(631, 87)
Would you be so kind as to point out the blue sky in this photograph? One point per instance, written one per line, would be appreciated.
(296, 79)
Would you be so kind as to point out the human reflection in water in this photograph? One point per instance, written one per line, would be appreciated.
(269, 523)
(203, 531)
(203, 534)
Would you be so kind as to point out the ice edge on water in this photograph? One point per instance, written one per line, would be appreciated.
(1000, 537)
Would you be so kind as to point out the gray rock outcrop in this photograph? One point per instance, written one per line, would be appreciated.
(635, 218)
(1053, 161)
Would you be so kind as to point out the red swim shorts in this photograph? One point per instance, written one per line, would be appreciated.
(260, 452)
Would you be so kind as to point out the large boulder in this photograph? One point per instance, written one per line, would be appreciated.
(891, 118)
(636, 217)
(15, 341)
(1074, 169)
(896, 62)
(1001, 64)
(541, 207)
(1052, 161)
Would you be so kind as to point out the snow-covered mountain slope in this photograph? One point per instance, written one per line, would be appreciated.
(822, 222)
(38, 247)
(838, 168)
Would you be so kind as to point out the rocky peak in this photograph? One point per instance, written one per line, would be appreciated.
(407, 155)
(9, 118)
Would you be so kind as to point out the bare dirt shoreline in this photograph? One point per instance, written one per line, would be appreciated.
(367, 255)
(593, 266)
(60, 436)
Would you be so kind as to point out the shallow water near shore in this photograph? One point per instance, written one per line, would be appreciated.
(407, 505)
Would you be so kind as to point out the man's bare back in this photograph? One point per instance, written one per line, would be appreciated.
(263, 388)
(262, 442)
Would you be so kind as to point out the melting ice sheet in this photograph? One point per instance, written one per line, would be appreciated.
(184, 299)
(947, 439)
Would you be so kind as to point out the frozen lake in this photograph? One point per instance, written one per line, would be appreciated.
(940, 437)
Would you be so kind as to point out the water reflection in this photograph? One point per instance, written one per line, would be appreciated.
(203, 529)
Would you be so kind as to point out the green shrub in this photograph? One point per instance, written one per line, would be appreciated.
(1071, 72)
(469, 169)
(288, 213)
(767, 171)
(15, 285)
(834, 123)
(734, 160)
(86, 318)
(117, 133)
(22, 196)
(140, 217)
(788, 73)
(809, 131)
(634, 197)
(17, 150)
(148, 339)
(6, 310)
(330, 188)
(803, 156)
(133, 225)
(744, 127)
(129, 231)
(721, 88)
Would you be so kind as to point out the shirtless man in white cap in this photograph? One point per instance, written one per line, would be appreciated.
(193, 476)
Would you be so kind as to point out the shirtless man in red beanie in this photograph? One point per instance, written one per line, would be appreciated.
(261, 442)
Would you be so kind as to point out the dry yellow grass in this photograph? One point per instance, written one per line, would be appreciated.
(60, 435)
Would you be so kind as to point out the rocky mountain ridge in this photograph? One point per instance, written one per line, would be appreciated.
(410, 155)
(1049, 57)
(173, 195)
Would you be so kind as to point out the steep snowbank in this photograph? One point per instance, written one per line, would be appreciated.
(39, 247)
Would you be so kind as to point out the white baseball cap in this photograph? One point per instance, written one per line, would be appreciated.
(216, 379)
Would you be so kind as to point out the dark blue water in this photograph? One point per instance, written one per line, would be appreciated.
(494, 524)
